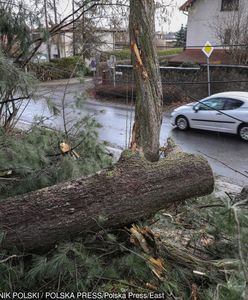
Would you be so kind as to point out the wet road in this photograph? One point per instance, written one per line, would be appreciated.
(223, 151)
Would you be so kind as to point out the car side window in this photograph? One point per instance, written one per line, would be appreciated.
(232, 104)
(212, 104)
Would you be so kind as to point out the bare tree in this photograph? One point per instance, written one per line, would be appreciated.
(230, 29)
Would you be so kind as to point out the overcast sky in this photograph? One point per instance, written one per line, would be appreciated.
(177, 19)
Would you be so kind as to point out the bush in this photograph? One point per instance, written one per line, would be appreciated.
(119, 54)
(61, 68)
(171, 51)
(189, 64)
(125, 54)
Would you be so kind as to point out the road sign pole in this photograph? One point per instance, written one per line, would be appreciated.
(208, 49)
(114, 76)
(209, 83)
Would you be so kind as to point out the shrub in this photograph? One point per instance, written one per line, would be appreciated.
(119, 54)
(61, 68)
(125, 54)
(171, 51)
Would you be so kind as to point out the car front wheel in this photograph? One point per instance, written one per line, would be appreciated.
(182, 123)
(243, 132)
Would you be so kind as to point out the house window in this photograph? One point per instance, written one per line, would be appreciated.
(229, 5)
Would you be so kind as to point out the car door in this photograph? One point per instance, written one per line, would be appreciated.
(207, 114)
(229, 118)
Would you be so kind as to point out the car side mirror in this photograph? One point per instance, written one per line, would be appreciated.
(195, 108)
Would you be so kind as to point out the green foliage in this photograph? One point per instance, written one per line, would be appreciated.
(189, 64)
(81, 265)
(181, 37)
(60, 68)
(125, 54)
(13, 82)
(106, 261)
(14, 29)
(232, 289)
(218, 231)
(120, 54)
(35, 161)
(170, 51)
(13, 79)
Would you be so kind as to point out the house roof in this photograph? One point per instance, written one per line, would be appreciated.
(186, 5)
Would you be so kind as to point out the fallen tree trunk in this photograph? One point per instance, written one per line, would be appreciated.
(133, 189)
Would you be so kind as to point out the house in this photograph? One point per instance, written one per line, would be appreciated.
(213, 21)
(165, 40)
(98, 40)
(59, 45)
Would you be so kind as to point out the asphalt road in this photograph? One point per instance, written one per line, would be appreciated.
(226, 153)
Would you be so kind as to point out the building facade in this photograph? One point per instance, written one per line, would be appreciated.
(205, 17)
(223, 23)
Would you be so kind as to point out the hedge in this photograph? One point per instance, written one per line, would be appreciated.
(126, 53)
(61, 68)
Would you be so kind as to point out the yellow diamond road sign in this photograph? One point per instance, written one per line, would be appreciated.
(208, 49)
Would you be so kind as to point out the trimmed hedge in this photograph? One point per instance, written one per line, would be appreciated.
(126, 53)
(61, 68)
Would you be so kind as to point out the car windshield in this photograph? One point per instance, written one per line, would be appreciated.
(211, 104)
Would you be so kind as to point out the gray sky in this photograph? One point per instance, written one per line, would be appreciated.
(177, 19)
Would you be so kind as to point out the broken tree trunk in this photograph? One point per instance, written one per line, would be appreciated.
(149, 94)
(133, 189)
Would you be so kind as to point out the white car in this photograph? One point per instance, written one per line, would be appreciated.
(223, 112)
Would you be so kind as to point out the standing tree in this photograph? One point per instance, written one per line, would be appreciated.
(15, 87)
(181, 37)
(148, 109)
(14, 29)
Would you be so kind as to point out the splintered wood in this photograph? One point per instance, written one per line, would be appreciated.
(139, 62)
(144, 238)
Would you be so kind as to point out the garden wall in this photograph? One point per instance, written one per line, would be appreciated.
(182, 82)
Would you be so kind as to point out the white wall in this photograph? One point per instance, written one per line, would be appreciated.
(107, 41)
(106, 44)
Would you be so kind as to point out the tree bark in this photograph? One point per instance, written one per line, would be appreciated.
(47, 30)
(149, 95)
(133, 189)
